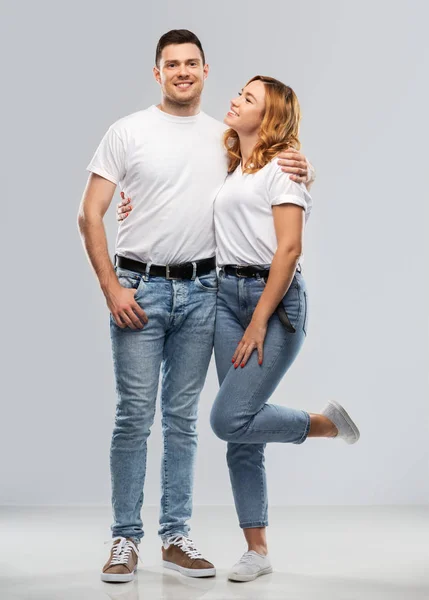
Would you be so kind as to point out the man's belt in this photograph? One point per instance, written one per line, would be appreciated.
(180, 271)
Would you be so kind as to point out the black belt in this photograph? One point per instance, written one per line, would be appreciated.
(181, 271)
(251, 271)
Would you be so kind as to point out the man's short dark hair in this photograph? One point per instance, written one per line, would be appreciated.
(177, 36)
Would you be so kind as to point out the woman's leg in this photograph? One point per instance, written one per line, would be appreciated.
(241, 412)
(252, 507)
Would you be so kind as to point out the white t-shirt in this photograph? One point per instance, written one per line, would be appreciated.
(171, 168)
(244, 221)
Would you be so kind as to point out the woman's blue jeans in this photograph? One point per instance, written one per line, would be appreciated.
(241, 414)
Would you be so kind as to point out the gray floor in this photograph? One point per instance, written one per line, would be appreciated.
(317, 552)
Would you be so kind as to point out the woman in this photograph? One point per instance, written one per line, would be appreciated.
(262, 305)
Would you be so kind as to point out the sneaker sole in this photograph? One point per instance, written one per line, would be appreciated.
(349, 421)
(118, 577)
(189, 572)
(238, 577)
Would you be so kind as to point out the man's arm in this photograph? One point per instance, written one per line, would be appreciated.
(297, 165)
(95, 201)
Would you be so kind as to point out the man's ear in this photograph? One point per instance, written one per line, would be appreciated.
(206, 71)
(157, 74)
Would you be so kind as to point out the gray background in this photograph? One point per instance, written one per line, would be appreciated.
(71, 69)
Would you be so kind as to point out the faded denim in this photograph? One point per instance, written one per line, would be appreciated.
(178, 341)
(241, 413)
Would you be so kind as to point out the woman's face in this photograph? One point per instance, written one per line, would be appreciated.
(247, 110)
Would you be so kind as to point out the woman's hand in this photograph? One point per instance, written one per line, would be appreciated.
(124, 208)
(252, 339)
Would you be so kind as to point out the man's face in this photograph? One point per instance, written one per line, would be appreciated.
(181, 73)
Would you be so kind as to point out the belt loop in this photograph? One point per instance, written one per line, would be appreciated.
(194, 270)
(147, 271)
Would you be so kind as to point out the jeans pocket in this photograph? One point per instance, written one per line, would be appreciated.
(208, 282)
(130, 280)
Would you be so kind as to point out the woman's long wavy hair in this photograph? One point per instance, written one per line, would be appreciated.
(279, 128)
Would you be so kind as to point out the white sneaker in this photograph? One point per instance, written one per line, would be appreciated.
(250, 566)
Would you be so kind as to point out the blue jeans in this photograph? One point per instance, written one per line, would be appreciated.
(178, 338)
(241, 414)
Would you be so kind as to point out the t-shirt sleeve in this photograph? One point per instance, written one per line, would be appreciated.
(109, 158)
(282, 190)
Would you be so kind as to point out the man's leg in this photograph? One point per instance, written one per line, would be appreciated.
(137, 356)
(187, 353)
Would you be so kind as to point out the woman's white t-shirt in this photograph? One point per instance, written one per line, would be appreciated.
(243, 213)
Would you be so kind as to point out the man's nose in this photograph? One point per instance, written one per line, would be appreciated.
(183, 71)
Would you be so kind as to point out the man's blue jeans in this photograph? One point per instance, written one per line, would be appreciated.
(241, 413)
(178, 338)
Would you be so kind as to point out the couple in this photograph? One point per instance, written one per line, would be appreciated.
(163, 294)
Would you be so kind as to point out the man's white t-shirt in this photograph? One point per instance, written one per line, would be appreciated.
(243, 213)
(172, 168)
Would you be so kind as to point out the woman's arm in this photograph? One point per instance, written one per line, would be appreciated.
(289, 222)
(289, 225)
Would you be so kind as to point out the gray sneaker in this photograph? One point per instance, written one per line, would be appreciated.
(347, 429)
(250, 566)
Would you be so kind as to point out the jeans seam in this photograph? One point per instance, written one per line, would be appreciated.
(263, 498)
(165, 473)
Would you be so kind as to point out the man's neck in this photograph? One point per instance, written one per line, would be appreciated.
(180, 110)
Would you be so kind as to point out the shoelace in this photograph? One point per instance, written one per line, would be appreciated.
(121, 552)
(246, 558)
(187, 545)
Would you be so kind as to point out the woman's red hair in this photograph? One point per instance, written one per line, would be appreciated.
(279, 128)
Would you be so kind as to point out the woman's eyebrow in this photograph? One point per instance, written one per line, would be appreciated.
(249, 94)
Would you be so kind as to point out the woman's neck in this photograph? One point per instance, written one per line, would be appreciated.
(247, 145)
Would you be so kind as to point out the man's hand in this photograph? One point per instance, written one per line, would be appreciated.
(298, 167)
(252, 339)
(124, 208)
(124, 309)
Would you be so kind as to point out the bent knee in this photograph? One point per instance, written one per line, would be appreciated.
(222, 426)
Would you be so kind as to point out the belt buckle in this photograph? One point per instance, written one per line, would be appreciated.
(238, 272)
(167, 274)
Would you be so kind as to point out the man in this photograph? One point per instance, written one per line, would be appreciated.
(161, 293)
